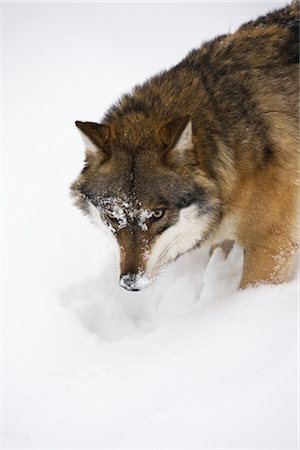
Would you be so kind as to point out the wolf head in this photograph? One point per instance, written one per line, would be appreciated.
(146, 185)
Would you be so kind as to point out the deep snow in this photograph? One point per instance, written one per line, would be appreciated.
(188, 363)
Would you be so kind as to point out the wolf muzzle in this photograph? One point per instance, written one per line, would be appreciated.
(130, 281)
(134, 281)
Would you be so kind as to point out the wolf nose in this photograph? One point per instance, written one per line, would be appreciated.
(129, 281)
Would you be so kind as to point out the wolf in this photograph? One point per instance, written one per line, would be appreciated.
(203, 152)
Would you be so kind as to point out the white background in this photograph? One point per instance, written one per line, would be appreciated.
(186, 363)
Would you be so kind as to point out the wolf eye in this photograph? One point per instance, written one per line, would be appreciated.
(158, 213)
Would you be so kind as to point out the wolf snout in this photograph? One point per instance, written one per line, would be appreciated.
(130, 281)
(134, 281)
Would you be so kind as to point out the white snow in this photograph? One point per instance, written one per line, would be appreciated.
(190, 362)
(125, 211)
(121, 210)
(116, 208)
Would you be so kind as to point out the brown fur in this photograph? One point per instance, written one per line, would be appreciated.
(241, 93)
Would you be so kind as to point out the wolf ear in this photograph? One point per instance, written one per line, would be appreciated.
(178, 137)
(95, 137)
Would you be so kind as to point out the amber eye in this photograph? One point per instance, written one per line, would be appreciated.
(158, 213)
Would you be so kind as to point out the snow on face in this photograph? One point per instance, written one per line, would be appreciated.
(136, 282)
(124, 211)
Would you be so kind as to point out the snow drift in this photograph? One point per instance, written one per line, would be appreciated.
(190, 362)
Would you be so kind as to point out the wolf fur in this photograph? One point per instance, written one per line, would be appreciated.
(205, 151)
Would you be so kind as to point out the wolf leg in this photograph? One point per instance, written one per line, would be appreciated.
(270, 260)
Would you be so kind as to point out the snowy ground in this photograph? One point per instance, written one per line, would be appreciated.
(188, 363)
